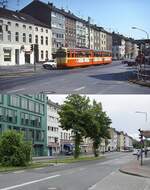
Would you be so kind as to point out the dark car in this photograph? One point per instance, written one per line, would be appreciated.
(69, 153)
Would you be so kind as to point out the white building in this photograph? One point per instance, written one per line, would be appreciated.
(81, 34)
(58, 140)
(112, 142)
(18, 32)
(119, 50)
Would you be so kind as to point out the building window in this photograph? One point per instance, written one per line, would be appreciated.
(41, 29)
(17, 25)
(17, 36)
(24, 26)
(41, 108)
(42, 55)
(46, 31)
(24, 37)
(30, 27)
(14, 100)
(46, 41)
(41, 40)
(9, 23)
(36, 39)
(24, 103)
(1, 33)
(46, 55)
(31, 106)
(7, 55)
(1, 98)
(9, 36)
(30, 38)
(36, 28)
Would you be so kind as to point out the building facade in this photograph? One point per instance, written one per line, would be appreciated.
(27, 114)
(17, 33)
(81, 34)
(112, 142)
(58, 140)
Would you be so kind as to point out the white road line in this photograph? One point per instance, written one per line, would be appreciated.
(38, 168)
(18, 172)
(92, 187)
(78, 89)
(30, 182)
(17, 90)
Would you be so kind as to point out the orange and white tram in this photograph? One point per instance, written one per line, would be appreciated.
(69, 58)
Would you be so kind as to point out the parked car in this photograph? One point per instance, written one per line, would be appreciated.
(50, 64)
(69, 153)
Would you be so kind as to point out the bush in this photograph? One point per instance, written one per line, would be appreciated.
(14, 151)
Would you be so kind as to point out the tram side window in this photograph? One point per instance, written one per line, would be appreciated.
(87, 54)
(96, 54)
(79, 54)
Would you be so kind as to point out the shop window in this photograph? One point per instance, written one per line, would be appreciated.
(7, 55)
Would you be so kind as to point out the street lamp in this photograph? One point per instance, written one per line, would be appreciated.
(136, 28)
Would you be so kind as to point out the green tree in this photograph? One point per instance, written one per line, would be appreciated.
(73, 116)
(14, 151)
(98, 127)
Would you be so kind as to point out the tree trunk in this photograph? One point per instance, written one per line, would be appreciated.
(77, 146)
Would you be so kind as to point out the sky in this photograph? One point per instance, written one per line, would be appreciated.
(113, 15)
(122, 110)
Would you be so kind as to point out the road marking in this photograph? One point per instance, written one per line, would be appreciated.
(38, 168)
(30, 182)
(12, 91)
(92, 187)
(78, 89)
(18, 172)
(52, 188)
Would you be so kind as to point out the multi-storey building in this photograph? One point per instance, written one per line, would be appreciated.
(70, 29)
(119, 46)
(109, 41)
(112, 142)
(58, 140)
(103, 39)
(122, 141)
(18, 32)
(128, 48)
(27, 114)
(81, 34)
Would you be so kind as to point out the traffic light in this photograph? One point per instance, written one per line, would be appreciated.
(32, 47)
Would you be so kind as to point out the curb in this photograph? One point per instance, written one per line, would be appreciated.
(140, 83)
(133, 174)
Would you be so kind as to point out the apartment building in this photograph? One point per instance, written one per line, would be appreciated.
(112, 142)
(26, 113)
(58, 140)
(18, 32)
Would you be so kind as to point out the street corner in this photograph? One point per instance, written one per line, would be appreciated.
(134, 168)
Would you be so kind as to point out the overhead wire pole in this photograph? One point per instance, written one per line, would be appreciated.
(141, 134)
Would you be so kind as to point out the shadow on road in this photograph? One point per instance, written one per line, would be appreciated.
(124, 76)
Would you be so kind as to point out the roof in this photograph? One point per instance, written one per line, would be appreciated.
(20, 17)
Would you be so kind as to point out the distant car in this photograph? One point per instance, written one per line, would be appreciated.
(50, 64)
(69, 153)
(135, 152)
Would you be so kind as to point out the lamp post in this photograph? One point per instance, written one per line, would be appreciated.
(136, 28)
(141, 134)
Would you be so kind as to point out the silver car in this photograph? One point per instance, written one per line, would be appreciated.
(50, 64)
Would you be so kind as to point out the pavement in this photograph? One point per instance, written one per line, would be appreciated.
(134, 168)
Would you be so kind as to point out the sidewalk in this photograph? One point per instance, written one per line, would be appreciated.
(134, 168)
(20, 69)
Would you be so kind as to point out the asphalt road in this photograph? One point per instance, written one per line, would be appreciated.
(103, 79)
(90, 175)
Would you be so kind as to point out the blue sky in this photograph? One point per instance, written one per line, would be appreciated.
(114, 15)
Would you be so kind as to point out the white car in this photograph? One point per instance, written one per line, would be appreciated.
(50, 64)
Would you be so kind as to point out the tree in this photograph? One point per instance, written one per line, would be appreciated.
(98, 127)
(73, 116)
(14, 151)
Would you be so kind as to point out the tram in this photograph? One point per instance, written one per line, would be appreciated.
(70, 58)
